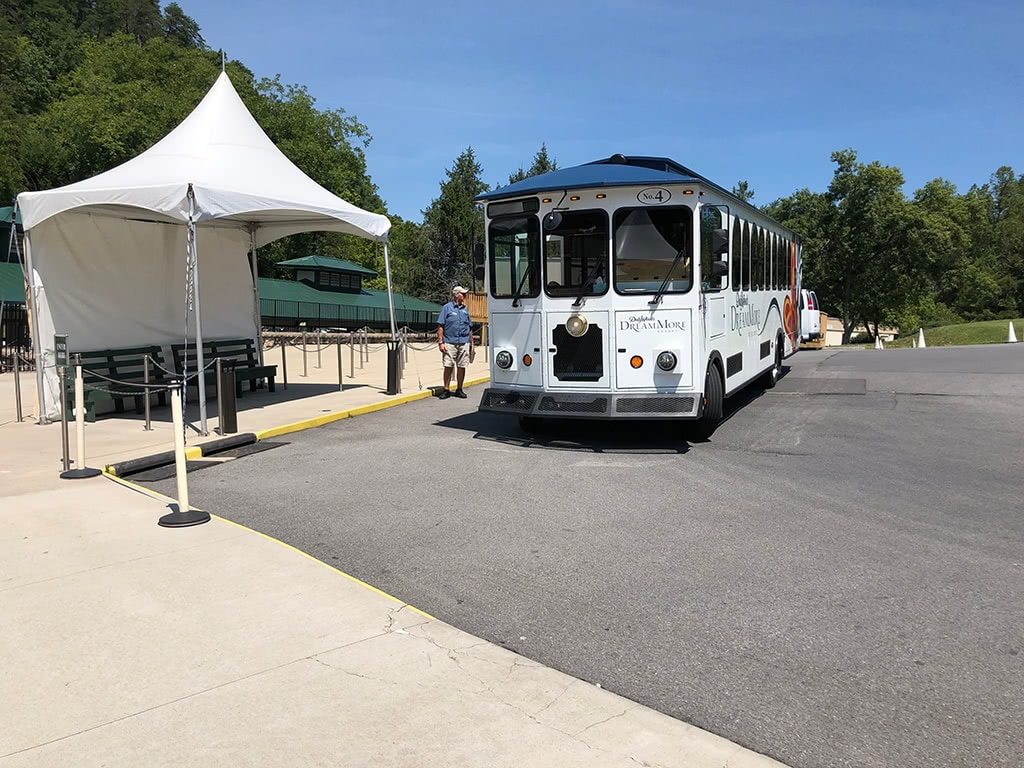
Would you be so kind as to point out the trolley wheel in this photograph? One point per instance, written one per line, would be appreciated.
(529, 423)
(714, 392)
(771, 376)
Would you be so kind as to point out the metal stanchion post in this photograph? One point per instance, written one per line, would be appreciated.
(362, 348)
(341, 378)
(62, 374)
(319, 348)
(184, 516)
(284, 361)
(145, 380)
(81, 470)
(17, 381)
(351, 353)
(305, 364)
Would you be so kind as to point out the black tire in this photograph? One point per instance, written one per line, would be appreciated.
(529, 424)
(771, 376)
(714, 395)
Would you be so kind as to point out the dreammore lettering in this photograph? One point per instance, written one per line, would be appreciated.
(637, 324)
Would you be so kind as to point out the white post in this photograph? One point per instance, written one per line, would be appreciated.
(184, 516)
(178, 422)
(79, 418)
(81, 470)
(920, 339)
(391, 299)
(200, 361)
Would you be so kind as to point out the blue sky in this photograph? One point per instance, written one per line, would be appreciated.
(751, 90)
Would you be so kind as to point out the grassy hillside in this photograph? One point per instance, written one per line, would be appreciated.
(985, 332)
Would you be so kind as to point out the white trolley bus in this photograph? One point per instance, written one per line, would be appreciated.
(632, 287)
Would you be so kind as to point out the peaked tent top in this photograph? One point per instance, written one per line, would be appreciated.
(234, 170)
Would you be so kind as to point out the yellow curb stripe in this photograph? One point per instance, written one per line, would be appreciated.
(340, 572)
(362, 410)
(168, 500)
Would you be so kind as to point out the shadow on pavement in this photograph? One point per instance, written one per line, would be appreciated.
(597, 436)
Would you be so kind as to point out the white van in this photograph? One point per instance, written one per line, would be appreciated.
(810, 316)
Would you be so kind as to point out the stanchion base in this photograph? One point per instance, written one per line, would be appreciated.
(80, 474)
(184, 519)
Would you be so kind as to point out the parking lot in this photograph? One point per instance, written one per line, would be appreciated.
(833, 579)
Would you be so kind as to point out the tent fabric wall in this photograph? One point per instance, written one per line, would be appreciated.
(108, 253)
(122, 284)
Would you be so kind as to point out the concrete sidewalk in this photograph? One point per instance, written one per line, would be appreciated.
(129, 644)
(30, 454)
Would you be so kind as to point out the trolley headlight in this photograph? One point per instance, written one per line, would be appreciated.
(503, 359)
(576, 325)
(666, 361)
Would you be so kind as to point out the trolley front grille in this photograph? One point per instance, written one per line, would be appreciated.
(654, 405)
(510, 401)
(578, 358)
(569, 404)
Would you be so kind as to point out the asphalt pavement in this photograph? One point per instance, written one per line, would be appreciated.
(834, 579)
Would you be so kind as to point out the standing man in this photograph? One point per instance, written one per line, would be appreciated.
(455, 340)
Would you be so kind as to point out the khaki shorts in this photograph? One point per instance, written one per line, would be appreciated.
(455, 355)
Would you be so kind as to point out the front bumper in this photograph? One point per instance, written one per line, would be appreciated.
(590, 405)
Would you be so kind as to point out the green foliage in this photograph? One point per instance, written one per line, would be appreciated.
(743, 191)
(982, 332)
(542, 163)
(875, 257)
(454, 225)
(181, 28)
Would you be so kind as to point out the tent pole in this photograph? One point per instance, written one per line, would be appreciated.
(33, 320)
(256, 292)
(391, 299)
(200, 362)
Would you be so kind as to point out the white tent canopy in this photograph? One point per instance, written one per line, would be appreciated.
(109, 257)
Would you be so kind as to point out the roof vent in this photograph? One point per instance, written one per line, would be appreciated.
(618, 159)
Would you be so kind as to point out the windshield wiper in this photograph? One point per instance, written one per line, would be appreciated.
(591, 277)
(518, 295)
(668, 275)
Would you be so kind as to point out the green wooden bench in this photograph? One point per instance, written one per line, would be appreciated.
(127, 366)
(241, 351)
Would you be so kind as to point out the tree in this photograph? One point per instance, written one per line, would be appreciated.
(180, 28)
(865, 245)
(743, 191)
(454, 225)
(140, 19)
(542, 163)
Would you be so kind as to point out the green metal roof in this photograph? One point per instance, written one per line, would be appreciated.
(5, 215)
(327, 262)
(12, 283)
(292, 290)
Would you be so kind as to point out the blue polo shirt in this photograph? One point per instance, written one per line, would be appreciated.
(455, 322)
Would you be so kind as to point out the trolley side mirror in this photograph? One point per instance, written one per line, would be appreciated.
(478, 255)
(719, 269)
(478, 272)
(719, 241)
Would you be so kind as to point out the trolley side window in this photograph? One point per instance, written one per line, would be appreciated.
(515, 256)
